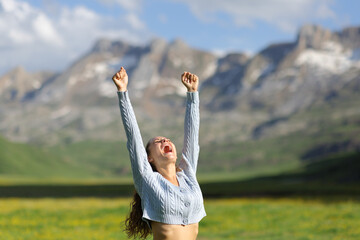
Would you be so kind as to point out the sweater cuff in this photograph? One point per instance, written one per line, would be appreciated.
(123, 95)
(193, 96)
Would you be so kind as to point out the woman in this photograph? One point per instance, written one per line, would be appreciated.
(168, 201)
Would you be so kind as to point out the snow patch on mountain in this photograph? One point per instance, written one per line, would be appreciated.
(107, 89)
(331, 57)
(210, 69)
(72, 81)
(127, 61)
(36, 84)
(100, 68)
(173, 86)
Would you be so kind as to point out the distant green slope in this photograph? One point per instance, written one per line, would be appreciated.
(101, 158)
(336, 175)
(22, 161)
(338, 169)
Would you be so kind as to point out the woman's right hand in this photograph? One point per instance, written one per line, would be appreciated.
(121, 80)
(190, 81)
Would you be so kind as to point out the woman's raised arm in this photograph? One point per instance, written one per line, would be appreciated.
(139, 163)
(190, 153)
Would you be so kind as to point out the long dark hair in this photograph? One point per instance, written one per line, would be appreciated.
(135, 227)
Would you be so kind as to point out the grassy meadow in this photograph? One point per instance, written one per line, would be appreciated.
(232, 218)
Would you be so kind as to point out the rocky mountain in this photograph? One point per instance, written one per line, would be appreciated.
(242, 97)
(288, 77)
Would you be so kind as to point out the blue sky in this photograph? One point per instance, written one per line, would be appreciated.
(49, 35)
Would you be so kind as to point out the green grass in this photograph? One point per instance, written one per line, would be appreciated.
(103, 159)
(281, 219)
(19, 160)
(246, 218)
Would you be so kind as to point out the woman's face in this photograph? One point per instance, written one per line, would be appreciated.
(162, 150)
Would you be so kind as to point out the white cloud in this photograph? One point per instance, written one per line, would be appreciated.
(134, 21)
(19, 36)
(325, 12)
(8, 6)
(45, 30)
(284, 14)
(129, 5)
(40, 40)
(132, 8)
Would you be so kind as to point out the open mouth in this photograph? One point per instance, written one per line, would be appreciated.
(167, 149)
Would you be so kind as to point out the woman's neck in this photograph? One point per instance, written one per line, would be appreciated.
(169, 172)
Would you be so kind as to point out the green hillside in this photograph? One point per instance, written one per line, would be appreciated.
(22, 161)
(336, 175)
(103, 159)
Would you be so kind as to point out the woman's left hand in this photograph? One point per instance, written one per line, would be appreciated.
(190, 81)
(121, 80)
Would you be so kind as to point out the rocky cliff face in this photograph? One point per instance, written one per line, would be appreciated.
(239, 94)
(285, 78)
(18, 85)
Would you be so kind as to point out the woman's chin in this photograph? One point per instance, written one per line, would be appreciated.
(170, 156)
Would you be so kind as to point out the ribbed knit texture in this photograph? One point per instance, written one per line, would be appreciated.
(161, 200)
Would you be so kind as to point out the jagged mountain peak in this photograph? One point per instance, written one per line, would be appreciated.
(17, 84)
(18, 70)
(312, 36)
(351, 31)
(240, 58)
(156, 43)
(350, 37)
(178, 43)
(108, 45)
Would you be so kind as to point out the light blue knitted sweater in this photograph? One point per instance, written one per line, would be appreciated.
(161, 200)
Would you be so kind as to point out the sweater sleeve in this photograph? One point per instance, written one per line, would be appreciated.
(190, 153)
(139, 163)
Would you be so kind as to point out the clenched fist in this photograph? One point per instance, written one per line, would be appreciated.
(191, 81)
(121, 80)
